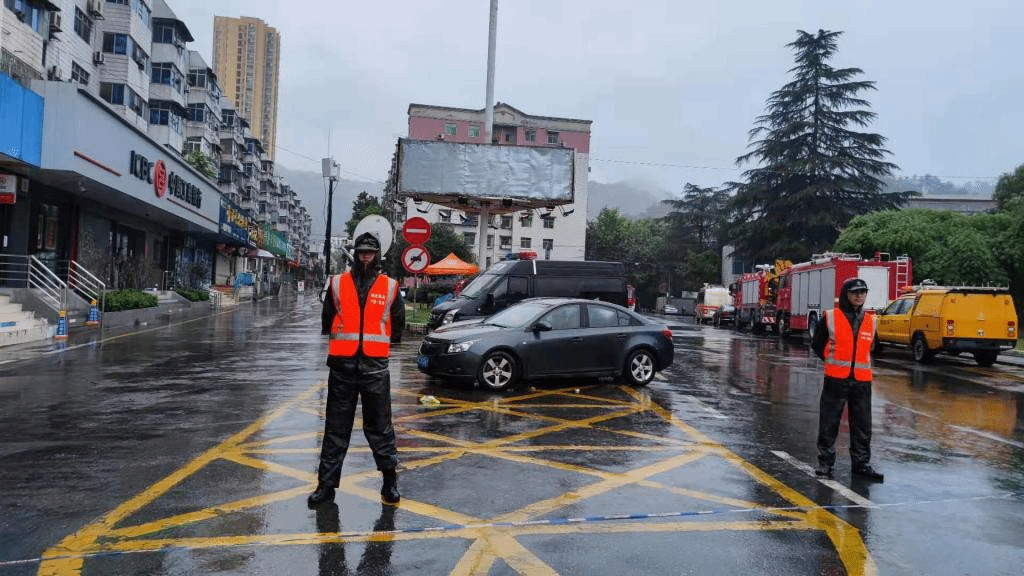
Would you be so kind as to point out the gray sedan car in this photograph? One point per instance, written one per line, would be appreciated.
(549, 338)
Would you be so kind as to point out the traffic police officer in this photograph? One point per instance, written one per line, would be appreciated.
(843, 339)
(364, 313)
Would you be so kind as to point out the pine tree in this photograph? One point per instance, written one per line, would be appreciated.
(815, 171)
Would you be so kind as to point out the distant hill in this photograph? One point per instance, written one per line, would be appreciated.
(311, 189)
(633, 199)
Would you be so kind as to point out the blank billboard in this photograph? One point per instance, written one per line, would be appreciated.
(432, 168)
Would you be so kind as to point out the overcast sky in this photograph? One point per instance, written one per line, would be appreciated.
(674, 83)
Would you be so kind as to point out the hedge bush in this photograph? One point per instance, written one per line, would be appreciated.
(130, 299)
(194, 295)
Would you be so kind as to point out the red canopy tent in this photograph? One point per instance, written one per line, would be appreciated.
(451, 265)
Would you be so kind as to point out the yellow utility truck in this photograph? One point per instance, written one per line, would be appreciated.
(952, 320)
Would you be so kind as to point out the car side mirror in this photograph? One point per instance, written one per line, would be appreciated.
(542, 326)
(489, 301)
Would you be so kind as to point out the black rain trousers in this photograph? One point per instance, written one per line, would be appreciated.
(344, 389)
(835, 394)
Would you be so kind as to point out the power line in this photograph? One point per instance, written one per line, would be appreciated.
(367, 178)
(737, 169)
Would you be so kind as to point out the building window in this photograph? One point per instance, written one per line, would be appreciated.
(27, 12)
(488, 264)
(163, 73)
(197, 78)
(193, 145)
(506, 242)
(526, 221)
(122, 2)
(113, 93)
(469, 238)
(445, 215)
(552, 137)
(196, 112)
(525, 242)
(83, 25)
(163, 34)
(474, 131)
(549, 221)
(490, 240)
(79, 74)
(449, 129)
(506, 222)
(531, 135)
(549, 243)
(116, 43)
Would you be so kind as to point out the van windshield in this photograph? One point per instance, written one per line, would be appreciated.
(482, 285)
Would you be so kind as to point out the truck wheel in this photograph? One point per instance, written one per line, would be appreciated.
(986, 358)
(812, 325)
(783, 327)
(920, 348)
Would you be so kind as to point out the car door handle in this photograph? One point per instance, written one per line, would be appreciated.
(577, 339)
(620, 335)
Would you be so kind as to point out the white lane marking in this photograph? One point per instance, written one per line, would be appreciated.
(987, 435)
(809, 470)
(711, 411)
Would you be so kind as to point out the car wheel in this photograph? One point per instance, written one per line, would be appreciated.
(920, 348)
(498, 370)
(985, 357)
(640, 367)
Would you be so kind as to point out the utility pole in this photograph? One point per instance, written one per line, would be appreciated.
(330, 171)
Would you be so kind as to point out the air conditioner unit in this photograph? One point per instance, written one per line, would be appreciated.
(55, 22)
(95, 8)
(97, 58)
(53, 73)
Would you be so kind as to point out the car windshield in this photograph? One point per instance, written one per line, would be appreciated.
(480, 286)
(517, 315)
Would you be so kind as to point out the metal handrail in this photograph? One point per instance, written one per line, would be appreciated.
(21, 271)
(85, 282)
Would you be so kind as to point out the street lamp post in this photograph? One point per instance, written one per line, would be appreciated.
(330, 171)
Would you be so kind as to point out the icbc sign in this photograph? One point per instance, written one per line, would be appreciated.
(160, 178)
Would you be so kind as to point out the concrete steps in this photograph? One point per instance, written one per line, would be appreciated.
(19, 326)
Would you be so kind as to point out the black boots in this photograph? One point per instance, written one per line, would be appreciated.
(823, 471)
(389, 491)
(866, 471)
(320, 495)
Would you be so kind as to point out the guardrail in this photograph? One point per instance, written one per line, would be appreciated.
(86, 285)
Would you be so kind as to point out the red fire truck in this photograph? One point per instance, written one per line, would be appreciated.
(754, 296)
(809, 288)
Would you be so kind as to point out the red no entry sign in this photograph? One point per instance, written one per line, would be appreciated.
(416, 230)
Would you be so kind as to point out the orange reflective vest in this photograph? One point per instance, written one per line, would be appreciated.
(369, 327)
(843, 351)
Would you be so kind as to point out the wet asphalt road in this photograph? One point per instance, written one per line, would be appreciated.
(190, 449)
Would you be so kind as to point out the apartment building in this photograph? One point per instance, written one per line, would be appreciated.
(246, 57)
(555, 233)
(100, 100)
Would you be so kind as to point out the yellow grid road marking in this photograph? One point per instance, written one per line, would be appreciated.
(488, 542)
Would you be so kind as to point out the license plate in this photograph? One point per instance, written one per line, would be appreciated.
(422, 361)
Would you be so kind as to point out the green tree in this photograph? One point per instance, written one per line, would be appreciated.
(205, 164)
(944, 246)
(1009, 192)
(698, 219)
(816, 172)
(640, 245)
(364, 205)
